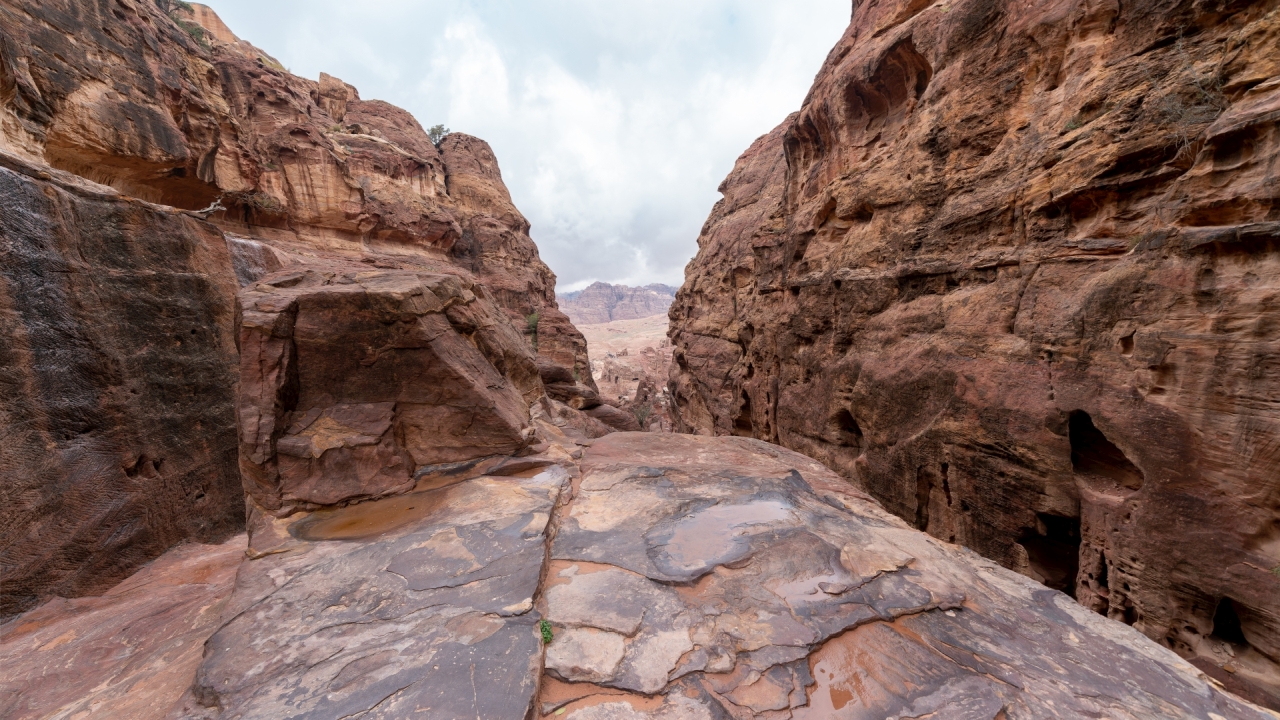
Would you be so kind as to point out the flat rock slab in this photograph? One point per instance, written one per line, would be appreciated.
(129, 653)
(708, 578)
(414, 606)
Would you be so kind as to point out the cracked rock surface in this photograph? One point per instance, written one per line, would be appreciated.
(694, 577)
(414, 606)
(682, 578)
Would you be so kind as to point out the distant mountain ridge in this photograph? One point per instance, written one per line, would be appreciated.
(602, 302)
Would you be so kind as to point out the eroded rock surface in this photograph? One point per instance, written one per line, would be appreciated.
(414, 606)
(117, 383)
(711, 578)
(121, 370)
(353, 381)
(681, 577)
(129, 653)
(1012, 268)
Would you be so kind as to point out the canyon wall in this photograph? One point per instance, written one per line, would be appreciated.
(117, 373)
(1012, 268)
(175, 109)
(155, 163)
(601, 302)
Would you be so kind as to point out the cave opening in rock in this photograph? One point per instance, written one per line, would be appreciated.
(924, 491)
(1093, 454)
(1226, 623)
(847, 430)
(1053, 551)
(742, 425)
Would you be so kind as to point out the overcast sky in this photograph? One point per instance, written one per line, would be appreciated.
(614, 120)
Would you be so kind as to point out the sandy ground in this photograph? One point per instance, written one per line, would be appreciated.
(629, 360)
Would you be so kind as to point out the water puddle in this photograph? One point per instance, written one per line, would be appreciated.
(367, 520)
(715, 535)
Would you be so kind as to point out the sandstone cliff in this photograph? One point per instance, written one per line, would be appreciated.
(601, 302)
(117, 384)
(1013, 269)
(173, 108)
(117, 313)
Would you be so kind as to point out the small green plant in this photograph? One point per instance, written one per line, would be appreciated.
(1276, 571)
(642, 414)
(336, 129)
(438, 133)
(531, 322)
(544, 627)
(274, 64)
(1074, 123)
(195, 31)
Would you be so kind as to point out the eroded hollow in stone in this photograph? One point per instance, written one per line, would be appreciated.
(1053, 551)
(1093, 454)
(367, 520)
(847, 430)
(1226, 623)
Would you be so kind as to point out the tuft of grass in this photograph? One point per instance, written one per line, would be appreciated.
(544, 627)
(1276, 571)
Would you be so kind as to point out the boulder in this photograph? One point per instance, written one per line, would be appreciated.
(352, 381)
(614, 417)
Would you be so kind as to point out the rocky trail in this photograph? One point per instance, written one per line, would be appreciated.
(681, 577)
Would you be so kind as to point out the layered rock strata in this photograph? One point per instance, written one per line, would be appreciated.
(117, 385)
(350, 382)
(1012, 268)
(679, 576)
(192, 116)
(601, 302)
(122, 395)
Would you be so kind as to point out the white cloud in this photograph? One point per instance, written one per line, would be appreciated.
(614, 122)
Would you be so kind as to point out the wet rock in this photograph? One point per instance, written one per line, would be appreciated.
(117, 379)
(1012, 270)
(747, 581)
(428, 614)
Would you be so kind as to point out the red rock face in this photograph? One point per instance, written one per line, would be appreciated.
(117, 383)
(352, 381)
(1012, 268)
(188, 121)
(122, 419)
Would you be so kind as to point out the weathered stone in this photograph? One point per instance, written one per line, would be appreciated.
(428, 604)
(116, 385)
(585, 655)
(780, 566)
(1013, 270)
(352, 382)
(217, 124)
(414, 606)
(129, 653)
